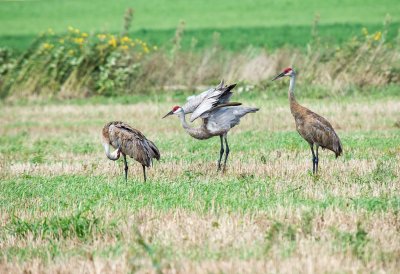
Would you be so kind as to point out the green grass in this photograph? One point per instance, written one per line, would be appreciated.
(247, 194)
(62, 202)
(64, 206)
(238, 38)
(33, 16)
(259, 23)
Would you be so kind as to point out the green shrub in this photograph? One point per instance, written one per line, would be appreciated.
(75, 65)
(79, 65)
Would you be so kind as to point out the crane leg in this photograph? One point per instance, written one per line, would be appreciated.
(316, 159)
(126, 168)
(226, 152)
(221, 153)
(313, 158)
(144, 172)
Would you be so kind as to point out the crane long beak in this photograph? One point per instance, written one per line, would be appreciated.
(168, 114)
(279, 76)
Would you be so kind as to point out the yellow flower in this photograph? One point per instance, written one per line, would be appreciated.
(71, 29)
(112, 42)
(146, 49)
(50, 31)
(84, 34)
(79, 40)
(155, 47)
(47, 46)
(364, 31)
(71, 52)
(125, 39)
(77, 31)
(101, 36)
(378, 36)
(124, 47)
(61, 41)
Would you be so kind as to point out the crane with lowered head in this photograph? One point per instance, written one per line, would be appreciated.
(128, 141)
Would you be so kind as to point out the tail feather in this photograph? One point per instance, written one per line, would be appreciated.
(239, 112)
(223, 119)
(244, 110)
(155, 153)
(339, 150)
(337, 145)
(253, 109)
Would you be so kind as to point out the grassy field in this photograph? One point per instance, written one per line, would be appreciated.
(64, 206)
(251, 22)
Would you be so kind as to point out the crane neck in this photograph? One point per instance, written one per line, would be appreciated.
(198, 133)
(111, 155)
(291, 87)
(182, 117)
(292, 99)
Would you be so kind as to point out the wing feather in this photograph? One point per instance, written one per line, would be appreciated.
(324, 134)
(225, 118)
(133, 143)
(194, 101)
(216, 97)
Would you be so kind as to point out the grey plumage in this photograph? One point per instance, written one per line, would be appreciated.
(223, 119)
(202, 103)
(192, 102)
(128, 141)
(218, 116)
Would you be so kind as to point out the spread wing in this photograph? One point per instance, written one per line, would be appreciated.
(218, 96)
(195, 100)
(226, 117)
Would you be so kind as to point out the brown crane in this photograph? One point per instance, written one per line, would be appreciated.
(128, 141)
(315, 129)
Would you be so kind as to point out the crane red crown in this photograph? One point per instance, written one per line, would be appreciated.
(175, 108)
(287, 70)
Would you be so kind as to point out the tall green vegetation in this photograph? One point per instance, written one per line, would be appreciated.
(79, 65)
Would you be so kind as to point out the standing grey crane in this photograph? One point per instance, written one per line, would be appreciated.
(217, 113)
(315, 129)
(128, 141)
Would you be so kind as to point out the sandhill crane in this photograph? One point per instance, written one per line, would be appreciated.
(218, 114)
(128, 141)
(315, 129)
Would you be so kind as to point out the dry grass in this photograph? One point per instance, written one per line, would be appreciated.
(345, 220)
(236, 243)
(365, 61)
(273, 116)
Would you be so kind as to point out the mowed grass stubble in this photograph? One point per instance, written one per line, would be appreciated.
(65, 206)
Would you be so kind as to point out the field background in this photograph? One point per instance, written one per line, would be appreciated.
(249, 22)
(64, 207)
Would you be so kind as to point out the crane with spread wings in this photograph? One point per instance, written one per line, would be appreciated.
(218, 115)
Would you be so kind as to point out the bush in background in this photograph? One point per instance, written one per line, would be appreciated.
(79, 64)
